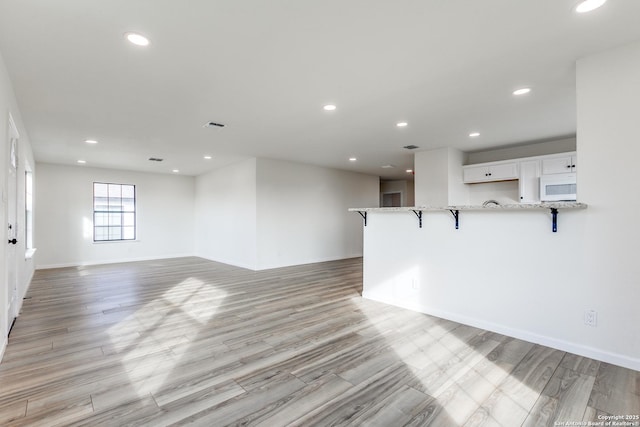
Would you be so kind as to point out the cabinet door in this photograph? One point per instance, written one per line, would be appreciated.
(503, 172)
(557, 165)
(473, 174)
(529, 181)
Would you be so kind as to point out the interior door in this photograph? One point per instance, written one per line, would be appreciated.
(390, 200)
(12, 225)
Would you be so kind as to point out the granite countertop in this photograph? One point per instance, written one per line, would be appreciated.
(514, 206)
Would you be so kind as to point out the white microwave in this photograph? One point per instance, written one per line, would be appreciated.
(558, 187)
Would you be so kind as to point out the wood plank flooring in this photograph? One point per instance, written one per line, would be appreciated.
(193, 342)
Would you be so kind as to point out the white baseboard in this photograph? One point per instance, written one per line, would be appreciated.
(229, 262)
(111, 261)
(270, 267)
(3, 346)
(314, 261)
(559, 344)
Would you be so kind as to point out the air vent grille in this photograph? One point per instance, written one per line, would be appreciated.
(410, 147)
(155, 159)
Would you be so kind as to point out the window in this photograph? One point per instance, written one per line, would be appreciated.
(114, 212)
(28, 210)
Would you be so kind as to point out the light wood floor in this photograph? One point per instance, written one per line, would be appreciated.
(189, 341)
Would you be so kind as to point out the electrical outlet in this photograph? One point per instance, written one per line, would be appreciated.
(591, 318)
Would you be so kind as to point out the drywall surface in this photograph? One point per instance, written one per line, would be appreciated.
(303, 212)
(608, 87)
(563, 145)
(438, 179)
(225, 214)
(64, 216)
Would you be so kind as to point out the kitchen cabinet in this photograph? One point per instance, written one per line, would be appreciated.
(488, 172)
(560, 164)
(529, 181)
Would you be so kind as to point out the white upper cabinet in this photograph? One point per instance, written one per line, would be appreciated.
(562, 164)
(529, 181)
(488, 172)
(526, 170)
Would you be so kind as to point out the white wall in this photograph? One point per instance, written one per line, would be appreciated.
(608, 87)
(507, 272)
(64, 216)
(563, 145)
(438, 178)
(225, 219)
(303, 213)
(24, 267)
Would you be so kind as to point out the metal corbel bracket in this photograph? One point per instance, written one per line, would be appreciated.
(456, 216)
(364, 217)
(419, 215)
(554, 220)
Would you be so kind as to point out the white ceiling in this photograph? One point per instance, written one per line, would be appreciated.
(266, 68)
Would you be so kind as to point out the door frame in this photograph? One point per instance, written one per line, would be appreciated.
(382, 194)
(11, 204)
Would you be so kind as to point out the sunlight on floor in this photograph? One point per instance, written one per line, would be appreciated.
(453, 362)
(145, 337)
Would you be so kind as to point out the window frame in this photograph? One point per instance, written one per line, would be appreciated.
(108, 212)
(28, 213)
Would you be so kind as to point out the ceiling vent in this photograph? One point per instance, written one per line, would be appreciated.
(388, 166)
(410, 147)
(155, 159)
(213, 125)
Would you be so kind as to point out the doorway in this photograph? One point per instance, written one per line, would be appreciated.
(392, 200)
(11, 276)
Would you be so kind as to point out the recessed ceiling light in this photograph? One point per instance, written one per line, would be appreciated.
(352, 159)
(402, 124)
(137, 39)
(409, 170)
(522, 91)
(589, 5)
(329, 107)
(474, 134)
(207, 157)
(90, 141)
(175, 171)
(82, 162)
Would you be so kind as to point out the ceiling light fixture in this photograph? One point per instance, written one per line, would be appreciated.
(207, 157)
(82, 162)
(352, 159)
(329, 107)
(137, 39)
(589, 5)
(90, 141)
(409, 170)
(474, 134)
(175, 171)
(402, 124)
(522, 91)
